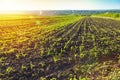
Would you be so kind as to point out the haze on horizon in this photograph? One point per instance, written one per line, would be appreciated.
(16, 5)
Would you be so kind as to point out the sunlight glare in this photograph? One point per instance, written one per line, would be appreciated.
(8, 5)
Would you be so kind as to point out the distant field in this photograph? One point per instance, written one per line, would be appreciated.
(68, 47)
(108, 15)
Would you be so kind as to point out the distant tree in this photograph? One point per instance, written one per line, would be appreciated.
(116, 15)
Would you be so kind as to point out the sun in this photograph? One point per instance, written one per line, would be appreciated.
(8, 5)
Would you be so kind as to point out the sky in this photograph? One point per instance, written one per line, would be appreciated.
(9, 5)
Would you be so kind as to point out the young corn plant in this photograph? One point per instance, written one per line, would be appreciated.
(42, 64)
(56, 57)
(31, 65)
(23, 67)
(9, 70)
(18, 56)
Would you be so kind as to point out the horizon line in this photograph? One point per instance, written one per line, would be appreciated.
(57, 9)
